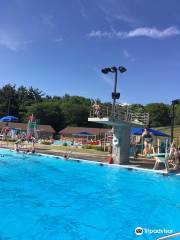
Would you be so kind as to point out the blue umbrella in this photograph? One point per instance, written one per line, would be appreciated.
(9, 119)
(139, 131)
(83, 134)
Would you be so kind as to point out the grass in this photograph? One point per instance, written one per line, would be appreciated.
(58, 148)
(167, 130)
(71, 148)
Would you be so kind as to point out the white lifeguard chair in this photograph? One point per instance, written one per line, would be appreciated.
(32, 127)
(161, 158)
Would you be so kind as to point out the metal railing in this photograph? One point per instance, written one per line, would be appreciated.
(120, 114)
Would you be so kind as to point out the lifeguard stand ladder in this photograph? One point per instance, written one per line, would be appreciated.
(32, 127)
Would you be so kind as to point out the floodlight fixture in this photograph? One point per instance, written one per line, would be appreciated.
(122, 69)
(106, 70)
(177, 101)
(115, 95)
(113, 69)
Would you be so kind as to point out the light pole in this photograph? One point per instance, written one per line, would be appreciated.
(9, 102)
(115, 95)
(174, 102)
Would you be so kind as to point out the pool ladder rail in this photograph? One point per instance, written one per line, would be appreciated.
(170, 236)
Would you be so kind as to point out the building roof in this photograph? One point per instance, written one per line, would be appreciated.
(74, 130)
(23, 127)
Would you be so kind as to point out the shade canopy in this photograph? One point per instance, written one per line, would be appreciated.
(85, 134)
(139, 131)
(9, 119)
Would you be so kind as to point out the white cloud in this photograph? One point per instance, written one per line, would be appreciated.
(153, 32)
(121, 12)
(82, 9)
(138, 32)
(14, 45)
(126, 54)
(124, 104)
(100, 34)
(125, 18)
(11, 41)
(58, 40)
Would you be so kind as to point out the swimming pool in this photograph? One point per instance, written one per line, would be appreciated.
(43, 197)
(68, 143)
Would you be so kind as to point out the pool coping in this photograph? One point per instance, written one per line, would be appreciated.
(127, 167)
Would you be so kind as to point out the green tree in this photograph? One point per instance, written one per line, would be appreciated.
(22, 94)
(34, 95)
(159, 114)
(137, 108)
(8, 100)
(76, 110)
(177, 115)
(48, 112)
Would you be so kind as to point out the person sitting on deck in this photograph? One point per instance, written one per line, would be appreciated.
(173, 148)
(147, 141)
(174, 154)
(178, 156)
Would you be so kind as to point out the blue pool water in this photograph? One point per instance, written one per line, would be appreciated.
(69, 143)
(44, 198)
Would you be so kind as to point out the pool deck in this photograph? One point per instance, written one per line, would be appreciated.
(141, 163)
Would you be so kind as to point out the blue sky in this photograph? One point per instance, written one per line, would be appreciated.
(60, 46)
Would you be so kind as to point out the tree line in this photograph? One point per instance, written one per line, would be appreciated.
(60, 112)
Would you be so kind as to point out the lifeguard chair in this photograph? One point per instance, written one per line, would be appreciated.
(32, 127)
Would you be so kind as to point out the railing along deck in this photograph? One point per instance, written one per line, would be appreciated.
(120, 115)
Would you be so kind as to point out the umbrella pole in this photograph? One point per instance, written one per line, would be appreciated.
(158, 144)
(166, 148)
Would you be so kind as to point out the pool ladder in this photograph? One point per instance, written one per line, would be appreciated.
(169, 236)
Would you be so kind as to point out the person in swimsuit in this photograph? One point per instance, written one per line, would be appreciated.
(147, 141)
(96, 107)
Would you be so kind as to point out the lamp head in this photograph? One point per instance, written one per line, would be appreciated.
(177, 101)
(105, 70)
(113, 69)
(122, 69)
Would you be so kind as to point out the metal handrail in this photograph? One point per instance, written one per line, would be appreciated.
(169, 236)
(120, 114)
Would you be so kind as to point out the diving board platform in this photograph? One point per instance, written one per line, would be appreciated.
(111, 122)
(121, 122)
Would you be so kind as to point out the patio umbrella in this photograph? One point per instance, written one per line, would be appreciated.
(83, 134)
(9, 119)
(139, 131)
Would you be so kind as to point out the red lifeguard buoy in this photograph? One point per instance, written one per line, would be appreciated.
(110, 160)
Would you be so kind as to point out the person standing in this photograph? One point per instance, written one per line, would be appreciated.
(147, 141)
(96, 107)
